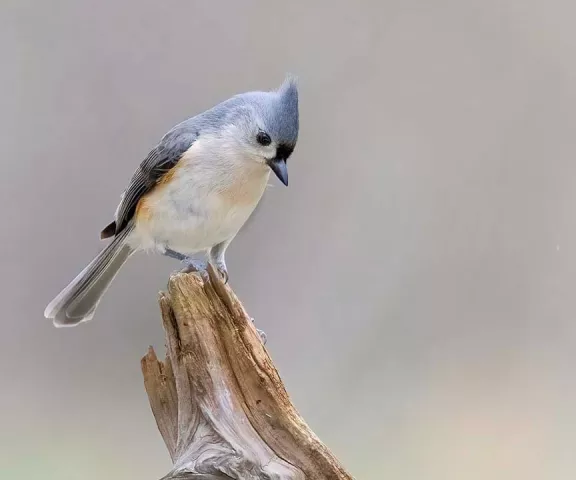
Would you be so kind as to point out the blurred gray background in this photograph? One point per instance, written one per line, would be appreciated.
(416, 280)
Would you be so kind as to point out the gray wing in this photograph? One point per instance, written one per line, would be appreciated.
(158, 162)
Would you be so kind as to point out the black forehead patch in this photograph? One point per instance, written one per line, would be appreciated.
(283, 151)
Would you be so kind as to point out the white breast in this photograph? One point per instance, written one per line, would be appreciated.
(209, 196)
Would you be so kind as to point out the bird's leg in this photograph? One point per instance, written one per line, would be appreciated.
(217, 258)
(191, 264)
(216, 255)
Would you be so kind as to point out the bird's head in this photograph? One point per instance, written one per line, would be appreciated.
(268, 124)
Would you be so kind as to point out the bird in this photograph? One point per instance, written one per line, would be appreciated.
(192, 193)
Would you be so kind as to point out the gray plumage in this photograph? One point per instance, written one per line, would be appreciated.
(218, 174)
(179, 139)
(78, 301)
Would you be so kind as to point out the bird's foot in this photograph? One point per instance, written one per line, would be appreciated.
(194, 265)
(262, 334)
(222, 271)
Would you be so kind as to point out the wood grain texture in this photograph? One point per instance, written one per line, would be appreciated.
(218, 400)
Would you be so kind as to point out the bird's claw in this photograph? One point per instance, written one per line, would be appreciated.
(192, 265)
(224, 275)
(262, 334)
(223, 272)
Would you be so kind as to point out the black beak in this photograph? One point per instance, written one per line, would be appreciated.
(278, 166)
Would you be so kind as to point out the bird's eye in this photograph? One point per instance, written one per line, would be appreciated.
(263, 139)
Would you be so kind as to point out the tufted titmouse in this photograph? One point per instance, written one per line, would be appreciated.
(193, 192)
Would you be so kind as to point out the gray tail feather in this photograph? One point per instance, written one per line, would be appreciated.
(78, 301)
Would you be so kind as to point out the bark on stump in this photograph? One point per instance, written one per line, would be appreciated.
(218, 400)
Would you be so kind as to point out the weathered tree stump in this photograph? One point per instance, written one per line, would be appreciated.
(218, 400)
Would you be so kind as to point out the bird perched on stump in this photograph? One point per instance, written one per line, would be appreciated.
(192, 193)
